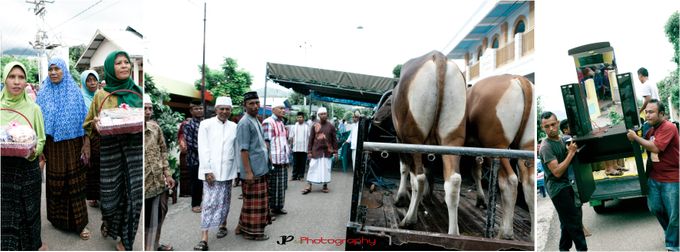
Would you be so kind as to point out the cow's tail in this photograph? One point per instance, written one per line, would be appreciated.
(441, 62)
(527, 89)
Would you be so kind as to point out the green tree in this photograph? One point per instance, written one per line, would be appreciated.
(74, 53)
(540, 134)
(668, 87)
(296, 98)
(397, 71)
(30, 64)
(672, 29)
(230, 81)
(167, 119)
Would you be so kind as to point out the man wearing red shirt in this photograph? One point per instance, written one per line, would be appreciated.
(661, 143)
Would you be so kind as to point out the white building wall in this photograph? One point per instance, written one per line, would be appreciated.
(100, 55)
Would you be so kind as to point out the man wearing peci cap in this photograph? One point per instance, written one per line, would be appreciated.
(322, 144)
(157, 180)
(216, 153)
(275, 136)
(254, 168)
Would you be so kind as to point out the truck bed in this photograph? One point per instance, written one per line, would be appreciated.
(433, 216)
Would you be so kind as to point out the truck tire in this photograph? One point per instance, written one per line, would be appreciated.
(600, 209)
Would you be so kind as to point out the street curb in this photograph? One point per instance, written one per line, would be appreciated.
(544, 217)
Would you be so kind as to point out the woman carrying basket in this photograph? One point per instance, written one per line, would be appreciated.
(64, 111)
(120, 155)
(21, 177)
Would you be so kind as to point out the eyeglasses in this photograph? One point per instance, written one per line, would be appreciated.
(221, 109)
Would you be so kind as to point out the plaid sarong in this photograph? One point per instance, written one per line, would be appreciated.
(278, 183)
(65, 187)
(21, 188)
(255, 211)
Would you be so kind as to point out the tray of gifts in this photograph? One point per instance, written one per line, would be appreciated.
(121, 120)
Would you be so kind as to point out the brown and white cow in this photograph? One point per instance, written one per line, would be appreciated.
(428, 107)
(500, 115)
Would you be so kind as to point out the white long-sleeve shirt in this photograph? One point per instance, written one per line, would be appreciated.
(352, 139)
(217, 149)
(299, 134)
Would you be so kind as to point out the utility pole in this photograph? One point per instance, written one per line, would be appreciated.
(203, 71)
(41, 42)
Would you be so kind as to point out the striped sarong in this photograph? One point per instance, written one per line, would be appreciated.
(215, 205)
(255, 211)
(121, 185)
(278, 183)
(20, 201)
(92, 185)
(65, 187)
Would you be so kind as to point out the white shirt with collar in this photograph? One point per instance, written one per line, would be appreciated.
(217, 149)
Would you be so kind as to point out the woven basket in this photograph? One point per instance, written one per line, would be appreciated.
(122, 128)
(12, 149)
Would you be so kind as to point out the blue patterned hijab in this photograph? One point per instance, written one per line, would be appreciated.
(62, 105)
(87, 94)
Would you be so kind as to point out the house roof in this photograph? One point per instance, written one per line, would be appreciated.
(176, 87)
(128, 40)
(475, 34)
(330, 83)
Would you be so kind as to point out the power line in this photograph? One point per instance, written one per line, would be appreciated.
(79, 13)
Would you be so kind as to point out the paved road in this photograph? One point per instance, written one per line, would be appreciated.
(626, 226)
(314, 215)
(60, 240)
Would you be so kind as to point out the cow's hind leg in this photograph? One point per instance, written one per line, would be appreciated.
(452, 181)
(507, 182)
(405, 164)
(417, 187)
(477, 175)
(526, 171)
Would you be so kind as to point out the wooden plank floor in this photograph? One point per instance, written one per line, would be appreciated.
(433, 214)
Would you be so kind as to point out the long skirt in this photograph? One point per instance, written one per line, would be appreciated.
(319, 170)
(216, 203)
(92, 186)
(65, 189)
(20, 201)
(278, 183)
(155, 209)
(121, 185)
(255, 211)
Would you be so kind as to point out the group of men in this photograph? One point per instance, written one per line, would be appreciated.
(659, 139)
(220, 152)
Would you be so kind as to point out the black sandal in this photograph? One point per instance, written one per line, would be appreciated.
(201, 246)
(222, 232)
(105, 231)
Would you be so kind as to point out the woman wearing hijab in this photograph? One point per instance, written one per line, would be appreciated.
(64, 111)
(120, 155)
(21, 177)
(90, 83)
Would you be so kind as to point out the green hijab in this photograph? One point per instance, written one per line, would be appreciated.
(25, 105)
(8, 100)
(113, 83)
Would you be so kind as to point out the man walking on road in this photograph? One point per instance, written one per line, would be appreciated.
(299, 136)
(661, 143)
(216, 151)
(191, 139)
(157, 180)
(276, 138)
(557, 158)
(322, 143)
(254, 167)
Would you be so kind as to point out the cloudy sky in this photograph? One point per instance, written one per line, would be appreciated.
(321, 34)
(635, 29)
(67, 22)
